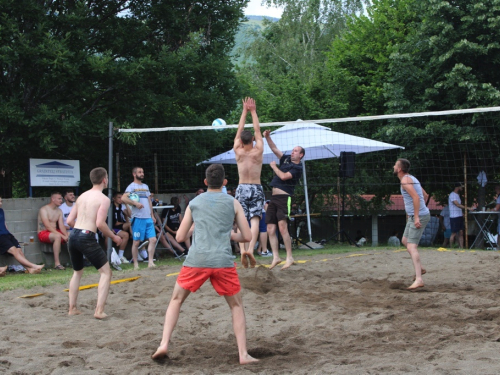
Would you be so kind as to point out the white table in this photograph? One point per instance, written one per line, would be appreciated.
(484, 228)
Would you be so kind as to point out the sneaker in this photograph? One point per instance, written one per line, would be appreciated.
(267, 254)
(123, 260)
(147, 260)
(116, 266)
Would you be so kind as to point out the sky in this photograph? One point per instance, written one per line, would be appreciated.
(255, 9)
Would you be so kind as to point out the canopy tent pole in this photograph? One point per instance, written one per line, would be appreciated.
(307, 199)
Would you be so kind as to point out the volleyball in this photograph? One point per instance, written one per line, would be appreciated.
(218, 122)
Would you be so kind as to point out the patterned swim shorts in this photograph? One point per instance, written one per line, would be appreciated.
(251, 198)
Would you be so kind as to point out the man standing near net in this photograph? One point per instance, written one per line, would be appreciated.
(143, 220)
(249, 192)
(278, 210)
(414, 197)
(456, 215)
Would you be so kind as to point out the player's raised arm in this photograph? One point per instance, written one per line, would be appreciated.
(252, 107)
(241, 125)
(272, 146)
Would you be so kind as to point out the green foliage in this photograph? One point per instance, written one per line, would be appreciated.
(70, 67)
(450, 61)
(358, 61)
(286, 73)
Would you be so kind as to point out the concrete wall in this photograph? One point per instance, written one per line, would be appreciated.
(21, 216)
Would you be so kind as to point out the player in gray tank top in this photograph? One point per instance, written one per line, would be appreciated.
(418, 216)
(209, 257)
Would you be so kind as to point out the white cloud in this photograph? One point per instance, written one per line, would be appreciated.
(254, 8)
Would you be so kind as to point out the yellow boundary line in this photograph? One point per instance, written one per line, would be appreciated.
(90, 286)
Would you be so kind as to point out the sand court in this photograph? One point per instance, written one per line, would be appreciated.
(342, 314)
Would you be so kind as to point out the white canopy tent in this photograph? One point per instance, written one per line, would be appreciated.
(319, 142)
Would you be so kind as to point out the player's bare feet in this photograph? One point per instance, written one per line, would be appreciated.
(288, 263)
(423, 273)
(34, 271)
(253, 262)
(100, 315)
(160, 353)
(74, 311)
(275, 262)
(244, 260)
(151, 265)
(416, 285)
(136, 267)
(246, 359)
(3, 271)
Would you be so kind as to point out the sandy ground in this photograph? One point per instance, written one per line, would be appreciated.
(342, 314)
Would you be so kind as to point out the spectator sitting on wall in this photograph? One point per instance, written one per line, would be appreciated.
(51, 229)
(69, 200)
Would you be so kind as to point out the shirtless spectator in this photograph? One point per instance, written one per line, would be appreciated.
(174, 219)
(69, 200)
(91, 208)
(249, 192)
(51, 228)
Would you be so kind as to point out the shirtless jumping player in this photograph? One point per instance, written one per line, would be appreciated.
(91, 209)
(249, 192)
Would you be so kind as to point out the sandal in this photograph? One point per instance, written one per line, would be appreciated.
(59, 267)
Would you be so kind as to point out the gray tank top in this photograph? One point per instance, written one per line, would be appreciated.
(213, 216)
(409, 201)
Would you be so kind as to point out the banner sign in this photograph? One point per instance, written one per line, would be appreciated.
(50, 172)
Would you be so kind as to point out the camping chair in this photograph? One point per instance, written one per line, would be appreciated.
(491, 240)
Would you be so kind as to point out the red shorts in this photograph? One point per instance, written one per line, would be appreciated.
(224, 280)
(43, 236)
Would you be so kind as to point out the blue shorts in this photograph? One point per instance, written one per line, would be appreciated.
(142, 229)
(262, 223)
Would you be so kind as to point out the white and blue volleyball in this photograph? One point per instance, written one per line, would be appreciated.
(134, 197)
(218, 122)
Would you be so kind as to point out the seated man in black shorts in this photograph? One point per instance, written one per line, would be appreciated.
(121, 223)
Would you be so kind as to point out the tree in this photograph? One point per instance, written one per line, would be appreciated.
(288, 59)
(69, 67)
(448, 62)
